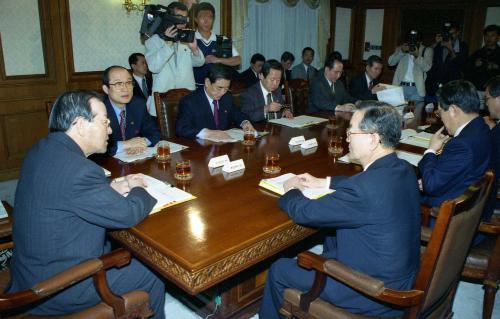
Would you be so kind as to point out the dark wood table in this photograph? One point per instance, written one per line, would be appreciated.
(232, 224)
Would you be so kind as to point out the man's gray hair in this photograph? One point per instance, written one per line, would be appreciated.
(68, 107)
(383, 120)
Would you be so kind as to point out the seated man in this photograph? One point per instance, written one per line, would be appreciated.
(143, 81)
(263, 100)
(326, 92)
(287, 59)
(251, 75)
(365, 86)
(375, 213)
(64, 207)
(465, 157)
(133, 128)
(208, 111)
(305, 70)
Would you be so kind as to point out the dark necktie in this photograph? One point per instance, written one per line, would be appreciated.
(370, 87)
(122, 124)
(216, 113)
(308, 72)
(144, 87)
(332, 87)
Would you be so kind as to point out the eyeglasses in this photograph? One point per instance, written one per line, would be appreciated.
(349, 133)
(121, 85)
(104, 122)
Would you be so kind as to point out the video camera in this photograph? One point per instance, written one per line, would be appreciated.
(413, 40)
(445, 33)
(158, 18)
(224, 47)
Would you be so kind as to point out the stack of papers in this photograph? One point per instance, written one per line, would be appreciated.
(3, 212)
(411, 158)
(299, 121)
(165, 194)
(411, 137)
(392, 95)
(276, 185)
(235, 134)
(149, 152)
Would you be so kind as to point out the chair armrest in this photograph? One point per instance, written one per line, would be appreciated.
(425, 234)
(489, 228)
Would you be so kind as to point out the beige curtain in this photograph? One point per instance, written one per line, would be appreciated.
(323, 28)
(239, 18)
(313, 4)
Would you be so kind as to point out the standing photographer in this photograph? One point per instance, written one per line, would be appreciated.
(171, 61)
(413, 60)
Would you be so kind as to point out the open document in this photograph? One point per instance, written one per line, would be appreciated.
(392, 95)
(235, 135)
(299, 121)
(275, 185)
(166, 195)
(411, 137)
(149, 152)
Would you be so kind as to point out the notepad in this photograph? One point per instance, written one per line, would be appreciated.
(411, 137)
(275, 185)
(3, 212)
(149, 152)
(299, 121)
(166, 194)
(411, 158)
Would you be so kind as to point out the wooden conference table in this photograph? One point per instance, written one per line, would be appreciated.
(233, 224)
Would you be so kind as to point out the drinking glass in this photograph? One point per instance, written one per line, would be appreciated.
(248, 137)
(335, 147)
(272, 163)
(163, 151)
(332, 121)
(183, 170)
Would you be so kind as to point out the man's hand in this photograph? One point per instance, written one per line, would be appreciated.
(438, 140)
(194, 47)
(348, 107)
(273, 107)
(211, 59)
(135, 145)
(247, 126)
(135, 180)
(120, 185)
(415, 52)
(292, 183)
(307, 180)
(377, 88)
(287, 114)
(171, 32)
(217, 134)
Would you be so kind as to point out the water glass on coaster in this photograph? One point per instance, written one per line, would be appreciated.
(163, 151)
(335, 147)
(183, 170)
(272, 163)
(248, 137)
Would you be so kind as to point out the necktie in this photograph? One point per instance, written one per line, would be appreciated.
(144, 87)
(332, 86)
(216, 113)
(122, 124)
(370, 87)
(308, 73)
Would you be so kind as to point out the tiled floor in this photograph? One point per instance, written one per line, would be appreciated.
(467, 305)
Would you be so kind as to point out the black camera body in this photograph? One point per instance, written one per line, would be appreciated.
(445, 33)
(158, 18)
(413, 40)
(224, 47)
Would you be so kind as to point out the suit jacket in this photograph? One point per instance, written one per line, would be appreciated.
(137, 87)
(248, 78)
(195, 114)
(464, 159)
(299, 72)
(64, 206)
(321, 97)
(359, 88)
(252, 102)
(138, 123)
(376, 216)
(287, 75)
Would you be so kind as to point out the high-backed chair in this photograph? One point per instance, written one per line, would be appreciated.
(133, 304)
(236, 89)
(167, 107)
(436, 281)
(298, 96)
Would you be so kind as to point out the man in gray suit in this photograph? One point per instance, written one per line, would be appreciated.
(326, 93)
(64, 206)
(264, 100)
(305, 70)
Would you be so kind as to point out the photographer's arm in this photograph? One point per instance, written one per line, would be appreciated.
(158, 53)
(396, 57)
(425, 62)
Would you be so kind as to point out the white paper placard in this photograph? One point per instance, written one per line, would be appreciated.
(309, 143)
(233, 175)
(233, 166)
(218, 161)
(308, 151)
(297, 140)
(294, 148)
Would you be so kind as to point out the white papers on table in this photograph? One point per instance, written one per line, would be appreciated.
(149, 152)
(411, 137)
(165, 194)
(275, 185)
(299, 121)
(411, 158)
(235, 135)
(392, 95)
(3, 212)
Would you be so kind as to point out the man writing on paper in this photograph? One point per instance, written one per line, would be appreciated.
(64, 207)
(326, 92)
(465, 157)
(132, 126)
(375, 213)
(263, 100)
(208, 111)
(365, 86)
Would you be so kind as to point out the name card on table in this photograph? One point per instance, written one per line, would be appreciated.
(297, 140)
(233, 175)
(308, 151)
(218, 161)
(233, 166)
(309, 143)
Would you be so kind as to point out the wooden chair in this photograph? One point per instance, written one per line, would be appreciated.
(48, 107)
(133, 304)
(167, 107)
(298, 96)
(236, 89)
(435, 285)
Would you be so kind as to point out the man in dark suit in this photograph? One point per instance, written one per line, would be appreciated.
(143, 81)
(465, 157)
(326, 93)
(133, 128)
(64, 207)
(287, 60)
(375, 214)
(251, 75)
(208, 111)
(264, 100)
(492, 97)
(366, 85)
(305, 70)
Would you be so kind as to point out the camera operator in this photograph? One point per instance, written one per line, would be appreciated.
(413, 60)
(172, 62)
(450, 55)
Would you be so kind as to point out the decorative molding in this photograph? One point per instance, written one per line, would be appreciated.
(197, 281)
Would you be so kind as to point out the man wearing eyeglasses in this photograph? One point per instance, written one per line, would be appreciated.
(132, 126)
(372, 219)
